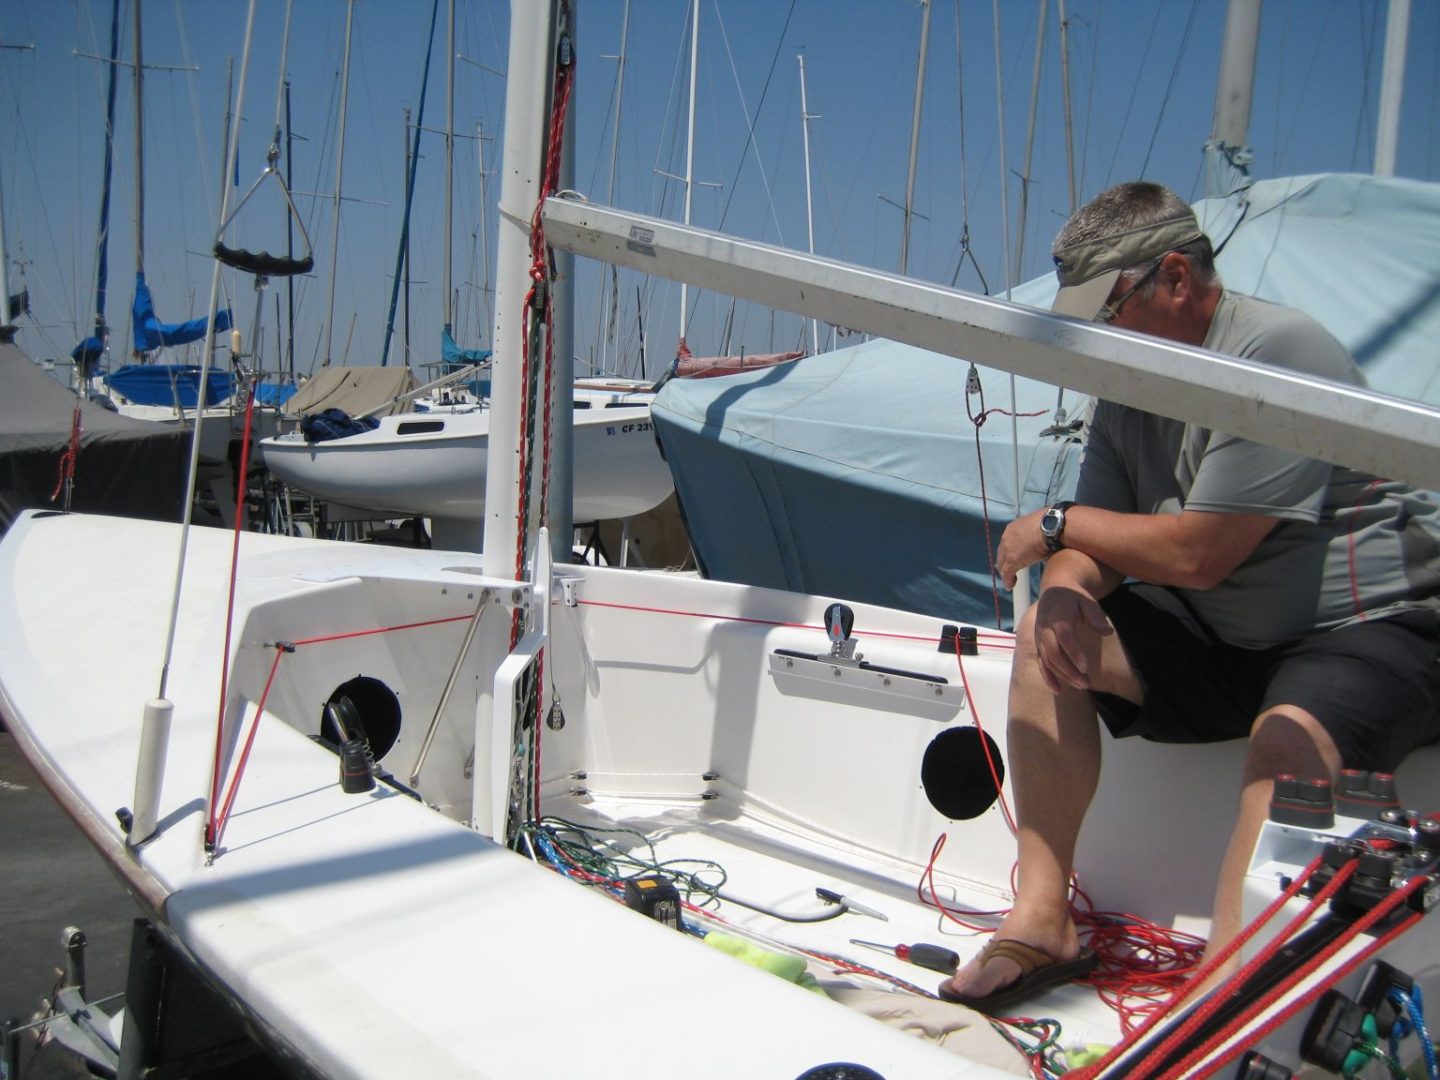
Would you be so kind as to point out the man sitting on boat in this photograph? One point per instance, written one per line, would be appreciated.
(1200, 588)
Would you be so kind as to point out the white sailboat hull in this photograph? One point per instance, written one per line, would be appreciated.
(434, 464)
(374, 935)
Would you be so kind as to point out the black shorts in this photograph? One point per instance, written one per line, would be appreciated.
(1374, 686)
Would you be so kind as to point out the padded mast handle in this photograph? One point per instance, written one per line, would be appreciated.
(262, 262)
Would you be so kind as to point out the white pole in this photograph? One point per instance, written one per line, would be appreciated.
(690, 145)
(561, 507)
(1020, 596)
(915, 134)
(339, 174)
(607, 275)
(526, 102)
(530, 67)
(805, 118)
(1226, 153)
(1392, 82)
(488, 285)
(1066, 102)
(155, 726)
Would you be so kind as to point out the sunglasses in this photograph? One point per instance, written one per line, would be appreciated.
(1112, 308)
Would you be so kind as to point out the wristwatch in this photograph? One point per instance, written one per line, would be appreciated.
(1052, 526)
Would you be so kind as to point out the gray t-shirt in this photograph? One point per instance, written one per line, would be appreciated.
(1348, 546)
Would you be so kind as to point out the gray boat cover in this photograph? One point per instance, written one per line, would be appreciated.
(855, 473)
(128, 467)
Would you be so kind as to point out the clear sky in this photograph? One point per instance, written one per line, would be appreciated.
(1142, 79)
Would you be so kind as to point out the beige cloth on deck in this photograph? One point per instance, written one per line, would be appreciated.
(959, 1029)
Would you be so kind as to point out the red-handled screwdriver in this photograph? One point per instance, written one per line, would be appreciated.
(927, 956)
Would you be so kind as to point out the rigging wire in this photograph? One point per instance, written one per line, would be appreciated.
(1180, 52)
(1149, 50)
(1365, 37)
(965, 248)
(749, 141)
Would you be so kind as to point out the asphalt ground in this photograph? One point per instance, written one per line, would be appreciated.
(51, 878)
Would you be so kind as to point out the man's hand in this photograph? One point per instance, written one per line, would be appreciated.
(1021, 545)
(1069, 623)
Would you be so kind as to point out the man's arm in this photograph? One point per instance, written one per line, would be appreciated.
(1193, 549)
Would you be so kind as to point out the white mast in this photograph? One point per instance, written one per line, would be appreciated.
(485, 288)
(1065, 99)
(1392, 81)
(608, 276)
(339, 174)
(915, 134)
(690, 145)
(1227, 154)
(529, 70)
(805, 118)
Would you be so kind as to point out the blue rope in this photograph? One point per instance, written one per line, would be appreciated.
(1412, 1020)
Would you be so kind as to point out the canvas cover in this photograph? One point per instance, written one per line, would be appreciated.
(855, 473)
(1357, 253)
(354, 390)
(127, 467)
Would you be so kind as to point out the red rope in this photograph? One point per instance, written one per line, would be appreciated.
(224, 815)
(211, 824)
(978, 420)
(381, 630)
(70, 456)
(1217, 1000)
(1361, 925)
(1192, 984)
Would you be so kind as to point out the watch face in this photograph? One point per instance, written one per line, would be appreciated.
(1050, 522)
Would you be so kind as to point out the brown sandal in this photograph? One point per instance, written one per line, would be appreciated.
(1038, 971)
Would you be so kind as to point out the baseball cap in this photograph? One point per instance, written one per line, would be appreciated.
(1088, 270)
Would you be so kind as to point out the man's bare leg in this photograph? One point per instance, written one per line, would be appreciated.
(1054, 754)
(1283, 740)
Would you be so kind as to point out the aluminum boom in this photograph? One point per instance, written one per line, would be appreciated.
(1383, 435)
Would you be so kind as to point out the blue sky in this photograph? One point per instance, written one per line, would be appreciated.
(1142, 81)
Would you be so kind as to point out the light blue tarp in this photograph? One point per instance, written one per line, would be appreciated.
(854, 473)
(1360, 254)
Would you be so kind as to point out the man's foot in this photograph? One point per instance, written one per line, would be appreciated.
(1008, 970)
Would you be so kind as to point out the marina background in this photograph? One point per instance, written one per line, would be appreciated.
(1142, 81)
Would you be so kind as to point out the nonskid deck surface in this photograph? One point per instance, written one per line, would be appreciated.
(778, 867)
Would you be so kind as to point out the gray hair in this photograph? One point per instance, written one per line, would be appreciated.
(1134, 205)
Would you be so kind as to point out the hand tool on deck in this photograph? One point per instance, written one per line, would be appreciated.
(934, 957)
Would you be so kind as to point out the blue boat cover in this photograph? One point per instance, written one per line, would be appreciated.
(150, 333)
(274, 394)
(855, 473)
(170, 384)
(88, 353)
(454, 355)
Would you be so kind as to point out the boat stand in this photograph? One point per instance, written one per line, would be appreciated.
(174, 1024)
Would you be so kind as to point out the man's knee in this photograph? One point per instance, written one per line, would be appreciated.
(1288, 739)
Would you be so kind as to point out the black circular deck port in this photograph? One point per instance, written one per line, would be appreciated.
(840, 1070)
(368, 709)
(957, 772)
